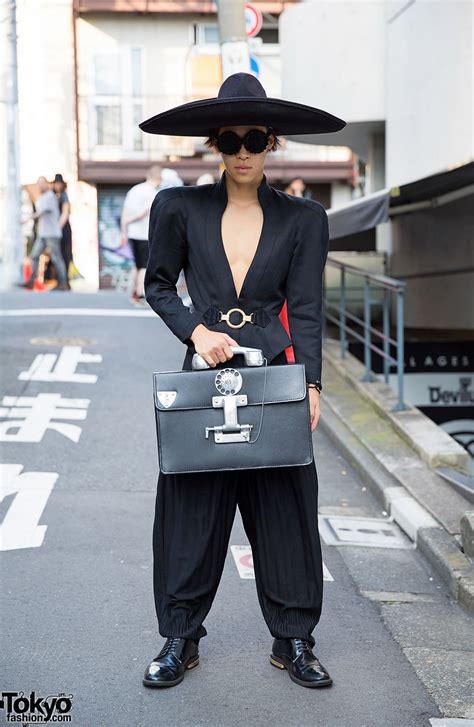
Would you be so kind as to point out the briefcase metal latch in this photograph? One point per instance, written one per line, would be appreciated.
(231, 430)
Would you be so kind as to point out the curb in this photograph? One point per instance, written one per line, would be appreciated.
(432, 444)
(430, 538)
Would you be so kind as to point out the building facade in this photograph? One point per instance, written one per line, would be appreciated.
(91, 70)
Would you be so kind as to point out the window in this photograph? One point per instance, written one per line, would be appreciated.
(109, 125)
(269, 34)
(117, 102)
(137, 134)
(206, 33)
(136, 80)
(107, 74)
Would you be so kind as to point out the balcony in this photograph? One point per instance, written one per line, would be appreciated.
(168, 6)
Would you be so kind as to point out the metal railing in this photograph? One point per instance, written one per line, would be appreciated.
(387, 286)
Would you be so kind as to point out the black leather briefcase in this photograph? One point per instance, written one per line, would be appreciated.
(232, 417)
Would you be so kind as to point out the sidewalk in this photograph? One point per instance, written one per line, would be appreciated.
(396, 453)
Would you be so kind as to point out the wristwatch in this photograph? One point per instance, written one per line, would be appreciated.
(316, 385)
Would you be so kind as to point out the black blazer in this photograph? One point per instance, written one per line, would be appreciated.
(185, 233)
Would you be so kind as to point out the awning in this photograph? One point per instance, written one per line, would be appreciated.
(433, 187)
(367, 212)
(363, 213)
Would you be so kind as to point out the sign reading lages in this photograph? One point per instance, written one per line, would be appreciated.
(440, 374)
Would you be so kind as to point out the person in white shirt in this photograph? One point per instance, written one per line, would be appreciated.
(134, 225)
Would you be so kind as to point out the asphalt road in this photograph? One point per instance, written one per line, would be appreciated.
(79, 482)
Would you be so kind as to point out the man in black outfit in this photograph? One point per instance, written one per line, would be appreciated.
(241, 244)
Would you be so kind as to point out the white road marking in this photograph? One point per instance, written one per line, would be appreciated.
(326, 574)
(244, 562)
(113, 312)
(20, 528)
(51, 367)
(35, 417)
(451, 722)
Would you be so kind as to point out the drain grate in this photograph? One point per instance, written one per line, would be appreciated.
(365, 531)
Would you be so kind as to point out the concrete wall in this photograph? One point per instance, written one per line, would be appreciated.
(46, 89)
(429, 102)
(5, 255)
(428, 242)
(332, 57)
(404, 65)
(47, 119)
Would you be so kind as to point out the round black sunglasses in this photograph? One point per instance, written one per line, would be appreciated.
(255, 141)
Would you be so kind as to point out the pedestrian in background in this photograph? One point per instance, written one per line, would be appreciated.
(170, 178)
(206, 178)
(48, 235)
(296, 187)
(134, 225)
(59, 188)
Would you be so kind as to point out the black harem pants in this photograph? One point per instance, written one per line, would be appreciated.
(194, 513)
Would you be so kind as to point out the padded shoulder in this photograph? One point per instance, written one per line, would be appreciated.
(165, 194)
(316, 206)
(197, 190)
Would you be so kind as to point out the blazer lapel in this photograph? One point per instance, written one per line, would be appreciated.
(218, 262)
(223, 290)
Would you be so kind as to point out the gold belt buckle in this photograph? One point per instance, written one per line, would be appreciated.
(245, 318)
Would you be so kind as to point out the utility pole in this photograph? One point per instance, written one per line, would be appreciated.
(13, 243)
(235, 55)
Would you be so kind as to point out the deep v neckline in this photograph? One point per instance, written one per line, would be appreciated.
(224, 291)
(252, 262)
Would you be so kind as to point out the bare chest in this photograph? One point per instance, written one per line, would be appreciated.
(241, 230)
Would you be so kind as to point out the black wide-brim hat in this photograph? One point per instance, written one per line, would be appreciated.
(241, 101)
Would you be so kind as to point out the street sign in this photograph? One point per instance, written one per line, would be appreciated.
(254, 67)
(234, 57)
(253, 20)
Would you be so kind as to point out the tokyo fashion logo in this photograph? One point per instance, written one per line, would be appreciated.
(23, 709)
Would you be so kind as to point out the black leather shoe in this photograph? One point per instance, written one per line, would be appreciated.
(297, 657)
(168, 668)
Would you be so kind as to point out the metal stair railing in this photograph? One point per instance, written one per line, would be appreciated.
(388, 286)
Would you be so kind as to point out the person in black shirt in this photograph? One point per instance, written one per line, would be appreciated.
(59, 187)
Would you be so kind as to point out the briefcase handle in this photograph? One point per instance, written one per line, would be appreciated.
(252, 357)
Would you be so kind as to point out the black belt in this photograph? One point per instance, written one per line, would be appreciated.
(257, 317)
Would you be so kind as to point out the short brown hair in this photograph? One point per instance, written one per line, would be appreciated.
(211, 139)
